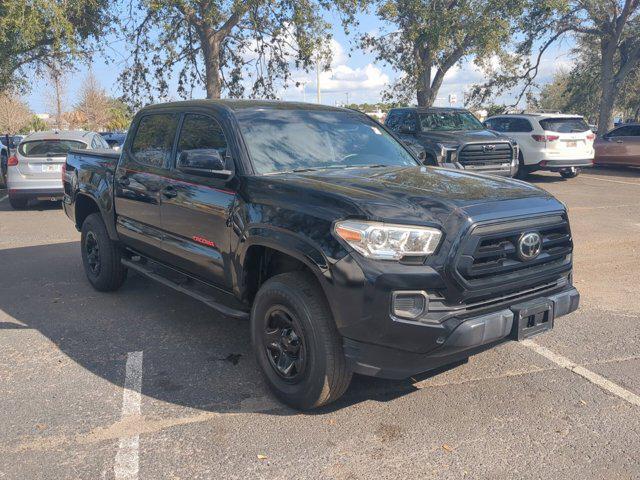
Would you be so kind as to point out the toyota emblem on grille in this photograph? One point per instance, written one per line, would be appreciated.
(529, 246)
(488, 148)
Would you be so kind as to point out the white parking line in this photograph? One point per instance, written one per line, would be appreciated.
(593, 377)
(126, 465)
(1, 199)
(612, 181)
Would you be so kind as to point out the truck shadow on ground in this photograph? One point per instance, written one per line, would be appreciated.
(192, 356)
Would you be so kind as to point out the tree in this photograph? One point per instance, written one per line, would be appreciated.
(38, 33)
(56, 95)
(94, 105)
(36, 124)
(14, 114)
(120, 115)
(424, 39)
(611, 28)
(224, 45)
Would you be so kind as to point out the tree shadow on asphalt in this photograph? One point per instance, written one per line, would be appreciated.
(193, 356)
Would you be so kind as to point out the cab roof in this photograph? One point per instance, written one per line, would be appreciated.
(239, 105)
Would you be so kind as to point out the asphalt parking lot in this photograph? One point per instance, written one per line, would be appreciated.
(565, 405)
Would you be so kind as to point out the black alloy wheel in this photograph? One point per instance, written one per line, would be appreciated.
(284, 343)
(93, 253)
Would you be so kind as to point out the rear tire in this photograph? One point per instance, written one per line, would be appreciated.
(101, 256)
(572, 172)
(296, 342)
(18, 203)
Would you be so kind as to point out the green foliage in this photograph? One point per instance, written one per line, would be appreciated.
(37, 33)
(609, 37)
(234, 47)
(120, 114)
(35, 125)
(423, 39)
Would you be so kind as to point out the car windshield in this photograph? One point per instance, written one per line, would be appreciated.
(565, 125)
(449, 121)
(48, 148)
(281, 140)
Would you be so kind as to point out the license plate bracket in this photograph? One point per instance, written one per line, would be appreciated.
(532, 318)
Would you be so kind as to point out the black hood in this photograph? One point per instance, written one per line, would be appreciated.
(461, 136)
(402, 194)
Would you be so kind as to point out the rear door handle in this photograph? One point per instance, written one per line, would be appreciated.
(619, 141)
(169, 192)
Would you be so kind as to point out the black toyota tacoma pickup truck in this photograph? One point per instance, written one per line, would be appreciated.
(454, 138)
(319, 226)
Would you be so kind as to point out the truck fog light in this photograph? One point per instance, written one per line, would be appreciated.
(409, 304)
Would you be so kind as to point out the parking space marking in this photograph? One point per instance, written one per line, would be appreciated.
(126, 465)
(612, 181)
(1, 199)
(593, 377)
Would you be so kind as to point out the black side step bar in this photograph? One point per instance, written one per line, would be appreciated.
(203, 297)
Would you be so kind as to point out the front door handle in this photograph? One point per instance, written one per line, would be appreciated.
(169, 192)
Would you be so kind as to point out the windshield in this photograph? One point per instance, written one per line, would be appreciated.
(565, 125)
(48, 148)
(281, 140)
(448, 121)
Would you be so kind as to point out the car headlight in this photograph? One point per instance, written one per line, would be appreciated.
(385, 241)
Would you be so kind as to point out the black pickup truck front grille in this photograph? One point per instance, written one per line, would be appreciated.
(485, 154)
(489, 254)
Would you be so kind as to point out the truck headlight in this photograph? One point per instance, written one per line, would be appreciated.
(448, 152)
(385, 241)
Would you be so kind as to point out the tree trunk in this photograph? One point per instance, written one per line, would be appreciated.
(211, 51)
(424, 93)
(608, 87)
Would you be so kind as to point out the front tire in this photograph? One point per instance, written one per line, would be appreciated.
(101, 256)
(572, 172)
(296, 342)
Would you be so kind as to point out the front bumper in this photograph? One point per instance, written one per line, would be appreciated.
(472, 335)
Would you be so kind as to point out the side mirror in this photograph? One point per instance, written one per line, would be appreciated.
(407, 128)
(205, 162)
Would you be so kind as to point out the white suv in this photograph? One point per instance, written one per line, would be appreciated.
(555, 142)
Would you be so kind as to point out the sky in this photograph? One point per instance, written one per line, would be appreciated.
(354, 75)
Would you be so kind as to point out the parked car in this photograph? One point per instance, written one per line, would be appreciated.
(4, 157)
(454, 138)
(553, 142)
(34, 172)
(115, 140)
(621, 146)
(346, 254)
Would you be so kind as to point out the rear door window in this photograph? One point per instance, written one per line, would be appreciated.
(201, 132)
(564, 125)
(153, 142)
(626, 131)
(516, 125)
(49, 148)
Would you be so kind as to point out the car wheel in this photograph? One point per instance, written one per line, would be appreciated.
(101, 256)
(572, 172)
(296, 342)
(18, 203)
(522, 172)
